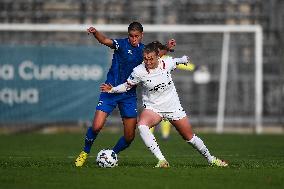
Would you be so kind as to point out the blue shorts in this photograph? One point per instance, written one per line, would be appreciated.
(127, 104)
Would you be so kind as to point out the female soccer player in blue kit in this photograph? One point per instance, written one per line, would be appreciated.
(128, 53)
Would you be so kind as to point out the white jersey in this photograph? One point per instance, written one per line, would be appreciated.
(159, 92)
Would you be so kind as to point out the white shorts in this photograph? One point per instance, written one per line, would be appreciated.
(171, 116)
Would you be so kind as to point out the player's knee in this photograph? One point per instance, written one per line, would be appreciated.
(129, 137)
(96, 128)
(187, 136)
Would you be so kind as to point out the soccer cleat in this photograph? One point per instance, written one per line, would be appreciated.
(162, 164)
(81, 159)
(218, 162)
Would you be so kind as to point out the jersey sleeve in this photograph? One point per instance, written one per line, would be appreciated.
(134, 78)
(170, 63)
(117, 43)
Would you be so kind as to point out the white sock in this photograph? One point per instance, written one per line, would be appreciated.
(198, 144)
(150, 141)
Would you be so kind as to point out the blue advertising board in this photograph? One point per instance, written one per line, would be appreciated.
(50, 83)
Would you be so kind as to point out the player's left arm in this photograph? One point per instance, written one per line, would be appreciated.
(184, 63)
(178, 62)
(183, 60)
(189, 66)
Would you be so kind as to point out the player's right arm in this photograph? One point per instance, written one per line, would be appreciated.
(122, 88)
(132, 80)
(101, 37)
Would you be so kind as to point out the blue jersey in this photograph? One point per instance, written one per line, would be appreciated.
(125, 58)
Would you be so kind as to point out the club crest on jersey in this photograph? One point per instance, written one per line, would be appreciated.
(100, 103)
(129, 51)
(131, 77)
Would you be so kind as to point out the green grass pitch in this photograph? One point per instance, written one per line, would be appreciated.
(37, 161)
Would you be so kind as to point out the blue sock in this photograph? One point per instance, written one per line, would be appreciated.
(89, 139)
(121, 145)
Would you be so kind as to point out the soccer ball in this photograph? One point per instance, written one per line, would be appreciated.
(107, 158)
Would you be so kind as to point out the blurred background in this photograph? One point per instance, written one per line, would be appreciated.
(50, 79)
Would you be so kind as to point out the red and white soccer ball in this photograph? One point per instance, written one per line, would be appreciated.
(107, 158)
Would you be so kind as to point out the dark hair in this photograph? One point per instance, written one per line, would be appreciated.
(159, 45)
(135, 26)
(151, 47)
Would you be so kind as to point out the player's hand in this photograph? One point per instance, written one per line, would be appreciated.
(106, 87)
(91, 30)
(171, 44)
(186, 59)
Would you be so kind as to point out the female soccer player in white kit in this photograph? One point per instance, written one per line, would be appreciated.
(161, 101)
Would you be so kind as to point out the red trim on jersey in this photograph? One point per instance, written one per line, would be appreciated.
(147, 69)
(129, 83)
(164, 65)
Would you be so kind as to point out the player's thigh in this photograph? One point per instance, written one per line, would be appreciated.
(107, 103)
(99, 120)
(184, 128)
(104, 107)
(149, 118)
(128, 107)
